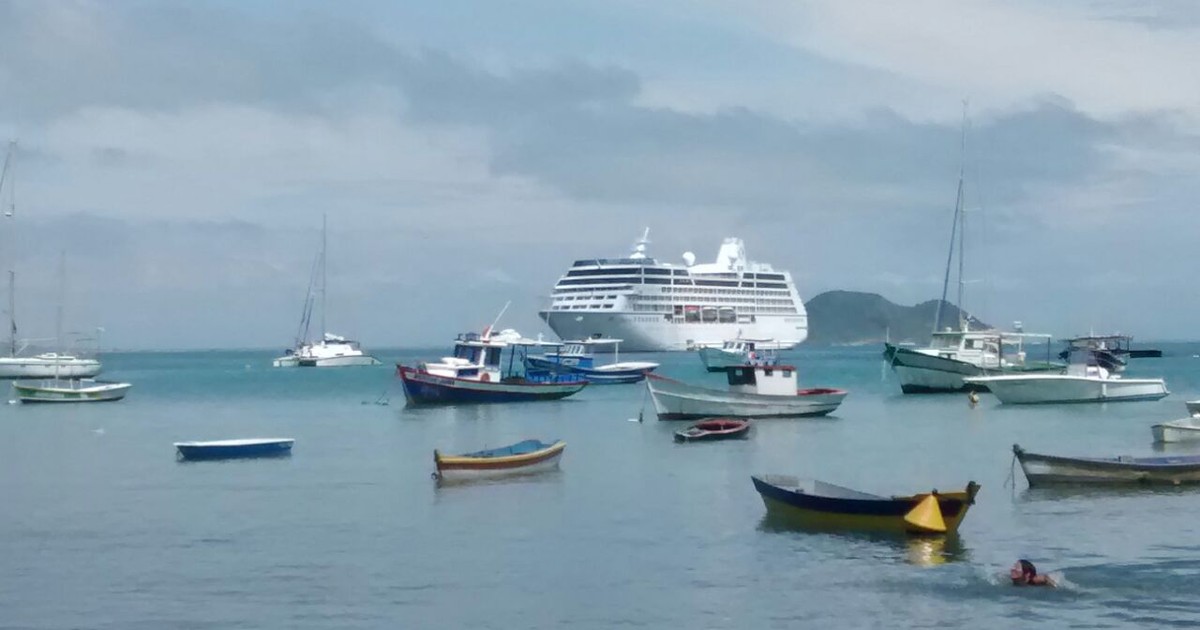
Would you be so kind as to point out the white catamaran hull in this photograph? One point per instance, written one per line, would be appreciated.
(1062, 388)
(641, 332)
(346, 361)
(33, 367)
(678, 401)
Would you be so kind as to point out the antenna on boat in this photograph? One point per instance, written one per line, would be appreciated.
(488, 332)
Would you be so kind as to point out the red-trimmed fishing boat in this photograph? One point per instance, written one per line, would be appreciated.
(715, 429)
(475, 374)
(528, 456)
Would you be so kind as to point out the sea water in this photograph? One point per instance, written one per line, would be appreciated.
(102, 527)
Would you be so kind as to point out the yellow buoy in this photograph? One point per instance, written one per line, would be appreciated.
(926, 517)
(973, 398)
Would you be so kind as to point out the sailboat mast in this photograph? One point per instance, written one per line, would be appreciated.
(324, 245)
(12, 317)
(62, 296)
(6, 174)
(962, 218)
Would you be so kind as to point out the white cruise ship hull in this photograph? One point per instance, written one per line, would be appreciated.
(34, 367)
(1062, 388)
(641, 332)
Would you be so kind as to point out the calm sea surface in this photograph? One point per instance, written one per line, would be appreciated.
(101, 527)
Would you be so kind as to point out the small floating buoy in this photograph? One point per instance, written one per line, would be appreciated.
(973, 398)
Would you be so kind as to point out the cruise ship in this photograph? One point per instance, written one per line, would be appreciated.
(655, 306)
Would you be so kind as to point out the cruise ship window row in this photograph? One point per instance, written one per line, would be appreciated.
(627, 279)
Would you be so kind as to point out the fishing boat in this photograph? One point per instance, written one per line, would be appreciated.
(817, 504)
(235, 449)
(1084, 381)
(715, 429)
(735, 352)
(1181, 430)
(578, 357)
(69, 390)
(1054, 469)
(755, 391)
(330, 350)
(528, 456)
(476, 374)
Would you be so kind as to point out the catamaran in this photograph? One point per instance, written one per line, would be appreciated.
(330, 350)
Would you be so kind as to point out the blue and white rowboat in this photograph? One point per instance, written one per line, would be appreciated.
(233, 449)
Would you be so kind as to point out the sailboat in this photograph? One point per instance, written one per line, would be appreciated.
(330, 350)
(955, 355)
(47, 364)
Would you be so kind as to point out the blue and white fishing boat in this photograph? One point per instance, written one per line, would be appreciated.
(736, 352)
(235, 449)
(1055, 469)
(578, 357)
(477, 373)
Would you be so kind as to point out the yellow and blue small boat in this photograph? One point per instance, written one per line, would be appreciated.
(524, 457)
(820, 505)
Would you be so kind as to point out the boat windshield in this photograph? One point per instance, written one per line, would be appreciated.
(470, 353)
(741, 376)
(945, 341)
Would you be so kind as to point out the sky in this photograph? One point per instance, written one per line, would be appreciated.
(182, 155)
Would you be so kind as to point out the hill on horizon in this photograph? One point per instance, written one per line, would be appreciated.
(859, 318)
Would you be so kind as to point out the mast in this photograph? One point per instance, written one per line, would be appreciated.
(955, 232)
(62, 296)
(6, 173)
(324, 244)
(12, 318)
(962, 218)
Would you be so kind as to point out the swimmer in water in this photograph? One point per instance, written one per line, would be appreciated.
(1023, 573)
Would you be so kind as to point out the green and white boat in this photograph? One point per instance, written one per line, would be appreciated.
(67, 390)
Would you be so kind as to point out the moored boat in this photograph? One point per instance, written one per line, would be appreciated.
(954, 356)
(735, 352)
(820, 505)
(755, 391)
(69, 390)
(1181, 430)
(1193, 407)
(235, 449)
(1084, 381)
(475, 374)
(524, 457)
(1055, 469)
(715, 429)
(577, 357)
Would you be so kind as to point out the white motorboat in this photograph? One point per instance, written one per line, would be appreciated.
(331, 350)
(63, 390)
(755, 391)
(1181, 430)
(1084, 381)
(735, 352)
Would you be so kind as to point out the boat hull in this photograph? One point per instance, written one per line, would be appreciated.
(467, 467)
(613, 374)
(344, 361)
(1043, 470)
(678, 401)
(1062, 388)
(234, 449)
(825, 506)
(422, 388)
(718, 360)
(57, 392)
(33, 367)
(1183, 430)
(715, 430)
(921, 373)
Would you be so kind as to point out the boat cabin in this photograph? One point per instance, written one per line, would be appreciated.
(763, 379)
(476, 357)
(984, 348)
(1088, 363)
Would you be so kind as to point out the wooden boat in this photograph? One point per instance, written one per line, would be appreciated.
(817, 504)
(1182, 430)
(74, 390)
(715, 429)
(475, 374)
(755, 391)
(523, 457)
(1054, 469)
(1084, 381)
(577, 357)
(235, 449)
